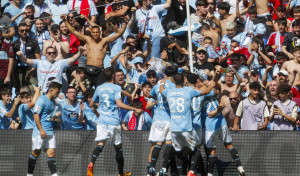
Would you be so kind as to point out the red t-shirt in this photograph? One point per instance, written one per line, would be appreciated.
(295, 92)
(6, 51)
(272, 39)
(74, 44)
(275, 3)
(143, 100)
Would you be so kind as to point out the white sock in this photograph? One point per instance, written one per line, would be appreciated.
(29, 174)
(208, 174)
(165, 170)
(54, 174)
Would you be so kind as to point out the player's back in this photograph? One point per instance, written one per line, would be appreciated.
(106, 95)
(179, 100)
(212, 123)
(161, 110)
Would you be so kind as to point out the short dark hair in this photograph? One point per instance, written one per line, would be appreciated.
(147, 84)
(108, 73)
(296, 9)
(296, 23)
(283, 88)
(258, 40)
(79, 70)
(205, 27)
(192, 78)
(50, 47)
(255, 85)
(45, 15)
(297, 48)
(171, 70)
(281, 56)
(201, 3)
(181, 60)
(281, 8)
(137, 103)
(252, 10)
(224, 6)
(117, 70)
(282, 21)
(178, 79)
(130, 37)
(141, 2)
(235, 57)
(207, 38)
(5, 91)
(24, 94)
(151, 73)
(54, 85)
(70, 87)
(22, 24)
(31, 7)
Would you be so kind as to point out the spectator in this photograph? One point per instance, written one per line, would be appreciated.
(136, 121)
(284, 110)
(40, 34)
(90, 9)
(15, 8)
(57, 8)
(80, 82)
(25, 75)
(252, 112)
(7, 61)
(276, 38)
(292, 40)
(49, 68)
(202, 67)
(39, 7)
(8, 109)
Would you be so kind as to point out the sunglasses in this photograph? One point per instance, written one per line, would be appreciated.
(202, 52)
(51, 53)
(233, 98)
(212, 3)
(24, 30)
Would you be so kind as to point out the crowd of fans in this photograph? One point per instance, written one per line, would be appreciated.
(251, 49)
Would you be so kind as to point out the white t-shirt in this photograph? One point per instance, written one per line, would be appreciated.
(233, 6)
(46, 70)
(154, 27)
(93, 10)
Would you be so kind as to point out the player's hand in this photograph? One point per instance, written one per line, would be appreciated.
(235, 128)
(19, 53)
(7, 80)
(212, 113)
(269, 67)
(36, 89)
(232, 69)
(81, 104)
(137, 86)
(63, 17)
(43, 134)
(17, 100)
(138, 110)
(291, 56)
(163, 80)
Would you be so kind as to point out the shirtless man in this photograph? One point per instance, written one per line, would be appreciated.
(206, 30)
(292, 66)
(96, 49)
(262, 7)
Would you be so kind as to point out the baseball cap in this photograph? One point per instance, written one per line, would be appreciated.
(284, 72)
(201, 48)
(230, 25)
(137, 60)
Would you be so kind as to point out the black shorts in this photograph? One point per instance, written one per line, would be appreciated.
(95, 75)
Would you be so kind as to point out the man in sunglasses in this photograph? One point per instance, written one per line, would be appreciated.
(50, 67)
(29, 48)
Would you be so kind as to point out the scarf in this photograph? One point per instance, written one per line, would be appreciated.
(133, 122)
(84, 7)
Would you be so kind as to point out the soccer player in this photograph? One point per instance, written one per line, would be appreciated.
(70, 111)
(196, 82)
(160, 131)
(215, 128)
(108, 96)
(180, 100)
(26, 108)
(43, 134)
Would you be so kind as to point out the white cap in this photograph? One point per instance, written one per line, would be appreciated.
(284, 72)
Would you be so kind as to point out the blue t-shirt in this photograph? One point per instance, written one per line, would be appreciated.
(216, 122)
(180, 100)
(4, 121)
(90, 117)
(45, 109)
(69, 114)
(197, 104)
(13, 11)
(106, 95)
(26, 117)
(161, 109)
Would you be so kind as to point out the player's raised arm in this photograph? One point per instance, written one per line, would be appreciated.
(167, 4)
(120, 104)
(74, 58)
(35, 97)
(80, 36)
(120, 31)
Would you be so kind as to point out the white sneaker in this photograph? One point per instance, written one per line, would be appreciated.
(241, 171)
(29, 174)
(54, 174)
(208, 174)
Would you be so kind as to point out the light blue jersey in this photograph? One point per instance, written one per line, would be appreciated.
(90, 117)
(4, 121)
(216, 122)
(106, 95)
(197, 105)
(69, 114)
(180, 100)
(161, 109)
(45, 109)
(26, 117)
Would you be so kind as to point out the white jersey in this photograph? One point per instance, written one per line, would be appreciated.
(46, 70)
(93, 10)
(153, 27)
